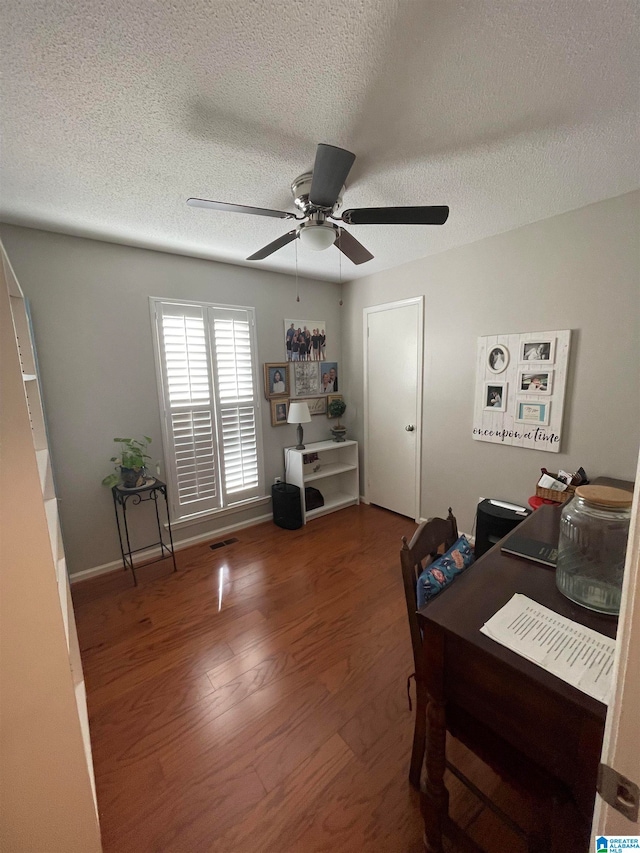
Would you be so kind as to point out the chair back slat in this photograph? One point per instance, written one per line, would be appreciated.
(432, 537)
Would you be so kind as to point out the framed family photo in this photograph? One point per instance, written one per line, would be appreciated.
(542, 350)
(498, 359)
(521, 381)
(279, 412)
(533, 413)
(276, 380)
(305, 340)
(495, 396)
(329, 377)
(538, 382)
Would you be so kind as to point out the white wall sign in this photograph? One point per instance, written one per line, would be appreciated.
(520, 386)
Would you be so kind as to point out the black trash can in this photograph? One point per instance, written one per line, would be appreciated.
(287, 510)
(494, 522)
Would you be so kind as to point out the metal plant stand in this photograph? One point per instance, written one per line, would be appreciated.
(150, 492)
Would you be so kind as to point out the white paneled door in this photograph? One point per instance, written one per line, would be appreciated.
(393, 336)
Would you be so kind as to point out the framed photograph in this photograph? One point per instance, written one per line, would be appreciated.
(279, 412)
(495, 396)
(317, 405)
(329, 377)
(330, 399)
(276, 380)
(538, 351)
(533, 413)
(305, 340)
(306, 378)
(538, 382)
(498, 359)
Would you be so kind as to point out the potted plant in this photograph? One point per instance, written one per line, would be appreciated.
(336, 409)
(131, 463)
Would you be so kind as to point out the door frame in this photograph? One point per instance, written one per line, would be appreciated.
(374, 309)
(620, 748)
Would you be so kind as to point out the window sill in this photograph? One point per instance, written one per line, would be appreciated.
(201, 517)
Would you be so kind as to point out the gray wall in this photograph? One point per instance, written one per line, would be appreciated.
(578, 271)
(90, 309)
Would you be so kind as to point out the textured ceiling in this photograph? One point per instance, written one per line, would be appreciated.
(510, 111)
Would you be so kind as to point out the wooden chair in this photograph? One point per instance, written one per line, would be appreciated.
(434, 537)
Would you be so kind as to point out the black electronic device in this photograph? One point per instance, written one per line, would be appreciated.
(531, 549)
(287, 510)
(494, 520)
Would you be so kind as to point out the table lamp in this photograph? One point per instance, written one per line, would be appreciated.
(299, 414)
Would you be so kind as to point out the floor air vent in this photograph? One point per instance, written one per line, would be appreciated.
(224, 542)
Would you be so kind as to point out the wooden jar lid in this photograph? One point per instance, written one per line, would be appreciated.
(605, 496)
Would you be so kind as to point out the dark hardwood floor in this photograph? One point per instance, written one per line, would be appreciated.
(256, 699)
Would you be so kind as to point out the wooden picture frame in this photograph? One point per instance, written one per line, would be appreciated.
(279, 412)
(317, 405)
(536, 373)
(270, 371)
(330, 399)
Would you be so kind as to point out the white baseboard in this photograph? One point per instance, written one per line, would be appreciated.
(178, 545)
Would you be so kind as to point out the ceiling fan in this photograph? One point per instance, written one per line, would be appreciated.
(318, 196)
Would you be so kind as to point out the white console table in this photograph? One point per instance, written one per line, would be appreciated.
(334, 473)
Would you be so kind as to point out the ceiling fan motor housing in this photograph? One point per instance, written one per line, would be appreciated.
(300, 189)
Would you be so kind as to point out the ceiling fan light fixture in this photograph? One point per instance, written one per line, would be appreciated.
(318, 235)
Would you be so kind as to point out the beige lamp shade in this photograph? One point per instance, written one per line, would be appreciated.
(298, 413)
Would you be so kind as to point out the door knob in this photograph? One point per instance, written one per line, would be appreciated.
(409, 427)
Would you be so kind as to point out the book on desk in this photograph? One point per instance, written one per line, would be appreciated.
(531, 549)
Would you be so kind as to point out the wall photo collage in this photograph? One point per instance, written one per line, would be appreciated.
(306, 375)
(520, 387)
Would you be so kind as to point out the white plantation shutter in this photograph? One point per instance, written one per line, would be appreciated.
(232, 337)
(207, 382)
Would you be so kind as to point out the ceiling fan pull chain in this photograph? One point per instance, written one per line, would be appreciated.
(297, 288)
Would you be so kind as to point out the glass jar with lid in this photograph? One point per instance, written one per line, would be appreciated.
(594, 528)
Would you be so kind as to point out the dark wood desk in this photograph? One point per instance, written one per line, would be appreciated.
(556, 726)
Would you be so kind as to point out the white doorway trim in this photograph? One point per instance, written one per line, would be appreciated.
(387, 306)
(620, 749)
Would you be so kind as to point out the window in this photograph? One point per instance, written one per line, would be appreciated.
(205, 358)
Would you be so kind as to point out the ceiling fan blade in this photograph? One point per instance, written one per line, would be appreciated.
(352, 248)
(273, 247)
(330, 171)
(433, 215)
(240, 208)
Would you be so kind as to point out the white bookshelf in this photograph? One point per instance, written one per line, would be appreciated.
(334, 473)
(59, 607)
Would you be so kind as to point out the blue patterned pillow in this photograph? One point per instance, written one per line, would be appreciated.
(442, 571)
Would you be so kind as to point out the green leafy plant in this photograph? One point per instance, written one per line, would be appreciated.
(132, 457)
(336, 409)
